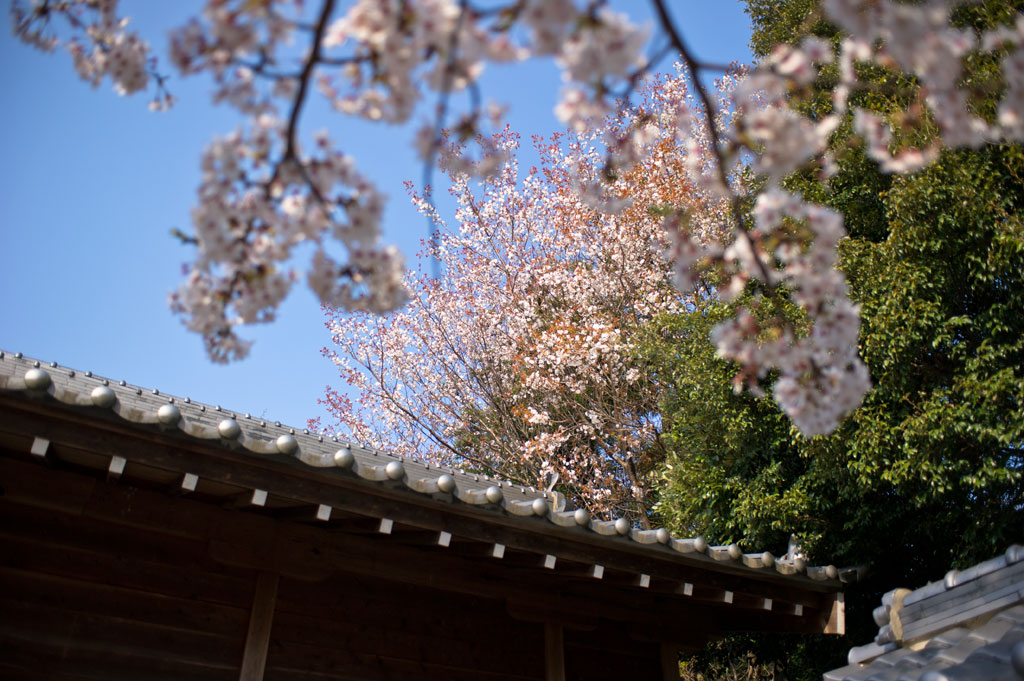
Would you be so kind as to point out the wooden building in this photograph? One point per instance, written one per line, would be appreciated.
(152, 537)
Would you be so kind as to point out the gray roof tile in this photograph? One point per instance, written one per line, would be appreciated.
(919, 673)
(869, 652)
(889, 674)
(861, 673)
(1002, 650)
(904, 658)
(959, 652)
(949, 637)
(993, 630)
(924, 656)
(1015, 614)
(844, 673)
(979, 668)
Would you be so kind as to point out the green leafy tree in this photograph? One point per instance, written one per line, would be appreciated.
(927, 474)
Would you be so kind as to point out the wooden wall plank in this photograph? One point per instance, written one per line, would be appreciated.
(408, 640)
(669, 662)
(295, 661)
(130, 604)
(378, 599)
(837, 618)
(42, 486)
(57, 657)
(94, 550)
(583, 663)
(12, 674)
(27, 619)
(178, 580)
(405, 623)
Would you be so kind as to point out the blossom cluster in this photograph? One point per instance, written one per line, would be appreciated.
(100, 43)
(370, 59)
(250, 215)
(820, 378)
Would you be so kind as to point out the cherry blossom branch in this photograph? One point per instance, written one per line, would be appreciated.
(413, 417)
(345, 61)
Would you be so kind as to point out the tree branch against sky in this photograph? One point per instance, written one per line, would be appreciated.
(263, 195)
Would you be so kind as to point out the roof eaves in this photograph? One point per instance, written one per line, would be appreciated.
(216, 425)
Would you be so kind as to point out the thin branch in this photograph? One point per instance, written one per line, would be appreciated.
(291, 150)
(714, 66)
(304, 78)
(512, 8)
(260, 69)
(694, 68)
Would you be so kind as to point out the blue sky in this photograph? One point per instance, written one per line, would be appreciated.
(92, 183)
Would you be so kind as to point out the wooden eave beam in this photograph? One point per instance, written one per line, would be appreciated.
(182, 454)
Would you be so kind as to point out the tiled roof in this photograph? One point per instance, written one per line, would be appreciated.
(967, 626)
(215, 425)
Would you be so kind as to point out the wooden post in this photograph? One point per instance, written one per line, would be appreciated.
(254, 659)
(554, 652)
(669, 662)
(837, 618)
